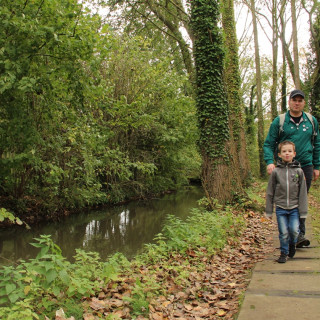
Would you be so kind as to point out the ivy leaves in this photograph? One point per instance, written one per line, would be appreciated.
(211, 97)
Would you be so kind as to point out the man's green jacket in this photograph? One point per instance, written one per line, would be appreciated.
(307, 153)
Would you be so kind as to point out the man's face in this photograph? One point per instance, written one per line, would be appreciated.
(296, 105)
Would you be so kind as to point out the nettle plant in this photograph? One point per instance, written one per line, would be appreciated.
(44, 284)
(6, 215)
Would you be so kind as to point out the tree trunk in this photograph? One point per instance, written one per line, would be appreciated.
(166, 17)
(220, 176)
(284, 84)
(285, 46)
(296, 78)
(174, 28)
(273, 93)
(259, 90)
(284, 58)
(233, 86)
(315, 45)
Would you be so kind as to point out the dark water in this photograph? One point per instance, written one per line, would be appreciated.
(123, 228)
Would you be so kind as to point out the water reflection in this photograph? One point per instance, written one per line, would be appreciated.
(119, 229)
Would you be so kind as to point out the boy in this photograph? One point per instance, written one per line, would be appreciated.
(287, 190)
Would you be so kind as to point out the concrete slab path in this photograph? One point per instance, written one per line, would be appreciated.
(285, 291)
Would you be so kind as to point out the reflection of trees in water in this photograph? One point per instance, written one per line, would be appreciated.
(16, 246)
(134, 226)
(125, 232)
(124, 228)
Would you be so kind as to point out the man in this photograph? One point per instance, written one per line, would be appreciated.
(297, 128)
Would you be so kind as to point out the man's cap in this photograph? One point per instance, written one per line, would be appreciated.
(295, 93)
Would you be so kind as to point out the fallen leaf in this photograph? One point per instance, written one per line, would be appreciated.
(97, 304)
(188, 307)
(232, 285)
(88, 316)
(101, 295)
(221, 313)
(223, 305)
(115, 303)
(157, 316)
(181, 295)
(165, 304)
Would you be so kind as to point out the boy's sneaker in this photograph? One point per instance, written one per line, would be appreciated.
(282, 258)
(302, 242)
(292, 250)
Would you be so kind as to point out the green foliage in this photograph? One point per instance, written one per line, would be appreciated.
(202, 229)
(47, 282)
(87, 116)
(182, 242)
(150, 19)
(141, 294)
(211, 97)
(5, 214)
(20, 311)
(232, 74)
(156, 124)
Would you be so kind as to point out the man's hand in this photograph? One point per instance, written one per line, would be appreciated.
(271, 166)
(315, 174)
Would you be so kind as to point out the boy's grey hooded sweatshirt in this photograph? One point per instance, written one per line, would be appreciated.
(287, 189)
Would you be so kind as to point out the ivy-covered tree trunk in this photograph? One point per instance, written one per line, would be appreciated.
(233, 85)
(220, 176)
(250, 116)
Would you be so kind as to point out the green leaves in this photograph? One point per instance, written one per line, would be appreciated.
(9, 288)
(211, 97)
(88, 116)
(26, 84)
(5, 214)
(49, 281)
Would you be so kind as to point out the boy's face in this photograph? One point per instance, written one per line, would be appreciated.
(287, 153)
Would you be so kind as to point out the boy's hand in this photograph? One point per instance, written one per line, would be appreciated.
(270, 168)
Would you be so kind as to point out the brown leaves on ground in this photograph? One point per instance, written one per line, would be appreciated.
(313, 201)
(212, 290)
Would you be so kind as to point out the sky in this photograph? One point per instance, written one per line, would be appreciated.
(243, 21)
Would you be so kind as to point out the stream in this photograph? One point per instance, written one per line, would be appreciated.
(123, 228)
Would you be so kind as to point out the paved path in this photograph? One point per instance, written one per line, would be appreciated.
(285, 291)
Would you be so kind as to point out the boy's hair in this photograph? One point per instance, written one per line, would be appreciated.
(284, 143)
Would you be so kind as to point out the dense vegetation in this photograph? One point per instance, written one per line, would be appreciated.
(96, 111)
(49, 282)
(88, 116)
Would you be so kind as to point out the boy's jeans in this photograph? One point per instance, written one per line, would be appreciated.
(288, 226)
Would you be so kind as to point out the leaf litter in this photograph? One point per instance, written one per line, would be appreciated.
(212, 291)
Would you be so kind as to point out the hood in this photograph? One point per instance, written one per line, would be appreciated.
(293, 164)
